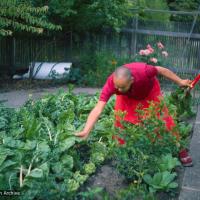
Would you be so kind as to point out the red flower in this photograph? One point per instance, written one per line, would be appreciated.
(120, 140)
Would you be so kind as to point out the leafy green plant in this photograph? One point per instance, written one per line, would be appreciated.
(92, 15)
(133, 192)
(41, 157)
(184, 129)
(145, 143)
(95, 66)
(188, 5)
(89, 168)
(5, 118)
(167, 163)
(17, 15)
(182, 99)
(161, 181)
(158, 5)
(90, 193)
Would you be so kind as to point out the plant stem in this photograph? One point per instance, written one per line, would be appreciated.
(21, 176)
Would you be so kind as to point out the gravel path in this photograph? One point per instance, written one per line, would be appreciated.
(17, 98)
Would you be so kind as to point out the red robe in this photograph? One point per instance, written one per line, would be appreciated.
(145, 88)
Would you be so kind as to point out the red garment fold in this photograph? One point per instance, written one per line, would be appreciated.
(130, 105)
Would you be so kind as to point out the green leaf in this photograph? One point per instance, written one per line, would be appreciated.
(67, 161)
(97, 158)
(147, 178)
(43, 148)
(72, 185)
(30, 145)
(167, 178)
(6, 164)
(80, 178)
(12, 143)
(45, 168)
(89, 168)
(157, 178)
(36, 173)
(167, 163)
(2, 158)
(57, 167)
(173, 185)
(67, 143)
(32, 128)
(152, 190)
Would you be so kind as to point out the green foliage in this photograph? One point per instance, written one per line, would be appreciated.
(161, 181)
(135, 192)
(185, 129)
(89, 168)
(95, 66)
(90, 193)
(5, 117)
(184, 5)
(167, 163)
(41, 157)
(89, 15)
(145, 143)
(182, 99)
(18, 15)
(150, 152)
(62, 8)
(153, 4)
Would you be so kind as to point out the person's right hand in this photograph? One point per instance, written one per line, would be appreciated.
(82, 134)
(186, 83)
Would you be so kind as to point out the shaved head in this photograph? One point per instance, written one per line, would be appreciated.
(122, 73)
(122, 79)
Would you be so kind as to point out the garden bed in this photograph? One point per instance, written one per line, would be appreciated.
(50, 161)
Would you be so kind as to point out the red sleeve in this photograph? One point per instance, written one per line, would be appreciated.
(108, 89)
(151, 71)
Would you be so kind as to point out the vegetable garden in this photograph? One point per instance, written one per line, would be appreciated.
(42, 159)
(40, 156)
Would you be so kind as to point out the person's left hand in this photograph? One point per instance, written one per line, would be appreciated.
(186, 83)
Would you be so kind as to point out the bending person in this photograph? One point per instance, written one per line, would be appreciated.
(134, 83)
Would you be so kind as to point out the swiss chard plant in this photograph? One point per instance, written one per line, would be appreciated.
(41, 157)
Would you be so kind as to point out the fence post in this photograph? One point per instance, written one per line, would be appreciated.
(13, 56)
(134, 36)
(136, 28)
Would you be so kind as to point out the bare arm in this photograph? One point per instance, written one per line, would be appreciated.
(92, 119)
(173, 77)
